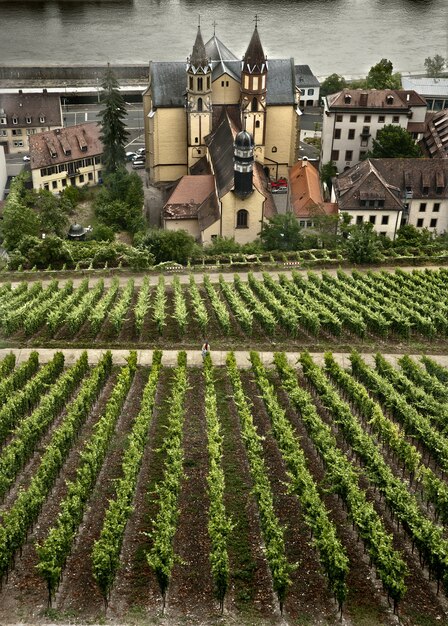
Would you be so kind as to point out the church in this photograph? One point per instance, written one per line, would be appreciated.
(224, 128)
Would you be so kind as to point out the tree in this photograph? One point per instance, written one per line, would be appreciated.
(169, 245)
(119, 202)
(52, 217)
(435, 65)
(113, 132)
(332, 84)
(363, 244)
(327, 172)
(381, 76)
(394, 142)
(19, 220)
(409, 235)
(282, 233)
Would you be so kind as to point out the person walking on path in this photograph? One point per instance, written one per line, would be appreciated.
(205, 349)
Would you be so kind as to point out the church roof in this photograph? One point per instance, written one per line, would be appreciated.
(255, 58)
(168, 83)
(222, 60)
(220, 146)
(199, 56)
(281, 82)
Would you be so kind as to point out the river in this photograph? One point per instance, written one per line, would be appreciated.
(343, 36)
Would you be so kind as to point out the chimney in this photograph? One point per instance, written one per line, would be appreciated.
(363, 99)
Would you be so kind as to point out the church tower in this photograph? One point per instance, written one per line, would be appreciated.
(199, 100)
(243, 164)
(254, 72)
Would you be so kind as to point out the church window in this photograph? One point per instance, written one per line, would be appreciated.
(274, 148)
(263, 82)
(246, 82)
(257, 124)
(191, 82)
(208, 82)
(255, 83)
(199, 84)
(196, 140)
(254, 104)
(242, 219)
(200, 106)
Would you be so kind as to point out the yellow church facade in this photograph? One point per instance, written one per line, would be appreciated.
(184, 102)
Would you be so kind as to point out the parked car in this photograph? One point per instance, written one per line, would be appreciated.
(279, 186)
(138, 164)
(26, 158)
(130, 156)
(140, 151)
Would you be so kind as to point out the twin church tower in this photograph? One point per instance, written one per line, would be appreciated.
(185, 106)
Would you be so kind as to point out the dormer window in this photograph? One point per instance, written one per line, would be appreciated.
(15, 120)
(389, 99)
(42, 119)
(347, 99)
(2, 120)
(28, 119)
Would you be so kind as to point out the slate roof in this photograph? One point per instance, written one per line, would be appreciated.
(435, 138)
(388, 180)
(305, 77)
(223, 61)
(255, 59)
(220, 146)
(72, 138)
(31, 105)
(281, 82)
(351, 186)
(198, 57)
(168, 83)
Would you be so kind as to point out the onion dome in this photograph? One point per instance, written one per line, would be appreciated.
(244, 141)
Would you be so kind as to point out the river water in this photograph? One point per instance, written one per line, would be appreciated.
(343, 36)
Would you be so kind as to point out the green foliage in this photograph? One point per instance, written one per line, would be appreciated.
(101, 232)
(363, 244)
(43, 252)
(52, 217)
(409, 235)
(394, 142)
(18, 219)
(381, 76)
(169, 245)
(435, 65)
(327, 172)
(113, 129)
(119, 203)
(332, 84)
(282, 233)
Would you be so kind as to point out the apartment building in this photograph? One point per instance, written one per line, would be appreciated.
(66, 156)
(353, 117)
(24, 115)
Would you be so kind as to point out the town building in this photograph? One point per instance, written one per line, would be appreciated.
(392, 192)
(435, 138)
(433, 90)
(306, 201)
(184, 104)
(229, 194)
(66, 156)
(308, 86)
(353, 117)
(23, 115)
(3, 173)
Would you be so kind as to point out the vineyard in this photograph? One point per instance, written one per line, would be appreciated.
(343, 308)
(295, 493)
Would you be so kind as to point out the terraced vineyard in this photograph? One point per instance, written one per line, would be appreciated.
(353, 309)
(300, 488)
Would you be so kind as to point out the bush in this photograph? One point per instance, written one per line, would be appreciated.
(101, 232)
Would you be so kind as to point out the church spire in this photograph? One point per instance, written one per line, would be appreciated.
(254, 60)
(198, 59)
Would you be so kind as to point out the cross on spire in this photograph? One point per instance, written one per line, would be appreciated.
(199, 20)
(256, 20)
(214, 24)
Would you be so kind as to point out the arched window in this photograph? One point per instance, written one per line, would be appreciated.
(200, 104)
(199, 84)
(242, 219)
(257, 124)
(208, 82)
(254, 104)
(191, 82)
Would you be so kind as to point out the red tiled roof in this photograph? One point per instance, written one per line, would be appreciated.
(305, 190)
(375, 99)
(65, 144)
(189, 195)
